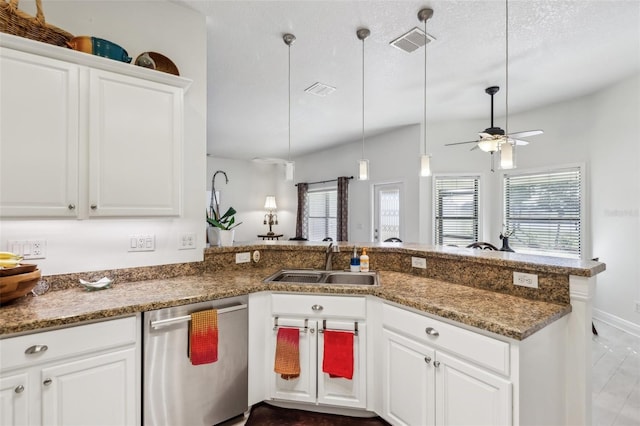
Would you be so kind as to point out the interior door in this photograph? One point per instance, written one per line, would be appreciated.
(387, 211)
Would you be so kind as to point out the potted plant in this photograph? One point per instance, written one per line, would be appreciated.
(224, 225)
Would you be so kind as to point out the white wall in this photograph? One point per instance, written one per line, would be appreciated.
(95, 244)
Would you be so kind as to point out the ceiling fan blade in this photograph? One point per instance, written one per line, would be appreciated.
(459, 143)
(519, 142)
(525, 134)
(484, 135)
(474, 148)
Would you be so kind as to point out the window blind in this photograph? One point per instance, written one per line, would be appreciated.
(456, 210)
(322, 220)
(544, 212)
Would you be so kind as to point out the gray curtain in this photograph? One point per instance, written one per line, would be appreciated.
(303, 210)
(343, 209)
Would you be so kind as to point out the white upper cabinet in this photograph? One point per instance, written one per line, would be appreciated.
(84, 136)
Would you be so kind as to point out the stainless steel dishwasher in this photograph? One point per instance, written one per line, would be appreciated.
(175, 392)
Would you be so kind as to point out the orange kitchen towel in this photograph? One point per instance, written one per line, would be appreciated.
(203, 337)
(287, 362)
(338, 354)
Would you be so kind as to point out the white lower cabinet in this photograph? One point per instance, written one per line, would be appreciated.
(424, 384)
(82, 375)
(311, 314)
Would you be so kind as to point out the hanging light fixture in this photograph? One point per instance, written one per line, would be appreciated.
(425, 159)
(289, 165)
(363, 165)
(508, 146)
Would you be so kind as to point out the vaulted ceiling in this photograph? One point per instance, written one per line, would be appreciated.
(558, 50)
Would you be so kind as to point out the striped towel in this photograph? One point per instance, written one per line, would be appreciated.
(287, 362)
(203, 337)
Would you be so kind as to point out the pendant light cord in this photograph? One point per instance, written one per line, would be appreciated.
(362, 98)
(425, 88)
(289, 155)
(506, 61)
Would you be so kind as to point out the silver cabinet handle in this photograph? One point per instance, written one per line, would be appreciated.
(71, 206)
(47, 382)
(19, 389)
(94, 207)
(312, 331)
(432, 331)
(317, 308)
(436, 364)
(427, 359)
(35, 349)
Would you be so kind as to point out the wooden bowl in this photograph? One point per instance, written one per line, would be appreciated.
(162, 63)
(20, 269)
(14, 286)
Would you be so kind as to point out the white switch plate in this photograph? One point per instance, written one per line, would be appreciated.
(418, 262)
(187, 241)
(28, 249)
(142, 242)
(243, 257)
(525, 280)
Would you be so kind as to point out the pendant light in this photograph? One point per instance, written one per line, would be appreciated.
(363, 165)
(289, 165)
(425, 158)
(507, 148)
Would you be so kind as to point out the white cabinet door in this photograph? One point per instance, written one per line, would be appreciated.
(469, 395)
(338, 390)
(38, 136)
(302, 388)
(135, 134)
(408, 382)
(98, 390)
(14, 399)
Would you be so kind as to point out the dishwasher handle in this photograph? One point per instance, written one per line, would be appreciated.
(176, 320)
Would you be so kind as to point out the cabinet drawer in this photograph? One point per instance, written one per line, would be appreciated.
(483, 350)
(325, 306)
(67, 342)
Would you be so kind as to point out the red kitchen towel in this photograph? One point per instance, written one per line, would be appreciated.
(287, 362)
(338, 354)
(203, 337)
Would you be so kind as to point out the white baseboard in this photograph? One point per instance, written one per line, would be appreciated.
(614, 321)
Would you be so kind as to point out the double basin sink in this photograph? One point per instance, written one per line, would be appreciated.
(319, 277)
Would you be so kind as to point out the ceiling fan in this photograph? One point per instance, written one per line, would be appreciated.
(493, 137)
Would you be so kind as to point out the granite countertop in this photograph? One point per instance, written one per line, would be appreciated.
(503, 314)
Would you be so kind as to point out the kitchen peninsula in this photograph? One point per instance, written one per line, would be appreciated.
(537, 339)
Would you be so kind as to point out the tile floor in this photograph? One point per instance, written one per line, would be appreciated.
(616, 377)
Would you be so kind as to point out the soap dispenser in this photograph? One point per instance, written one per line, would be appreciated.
(355, 260)
(364, 261)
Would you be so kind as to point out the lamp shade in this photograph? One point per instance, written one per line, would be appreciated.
(506, 156)
(363, 169)
(289, 168)
(489, 145)
(425, 165)
(270, 203)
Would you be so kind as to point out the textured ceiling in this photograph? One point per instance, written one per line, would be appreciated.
(557, 50)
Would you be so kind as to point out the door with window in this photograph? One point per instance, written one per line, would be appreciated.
(387, 216)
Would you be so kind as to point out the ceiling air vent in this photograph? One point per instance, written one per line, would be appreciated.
(320, 89)
(412, 40)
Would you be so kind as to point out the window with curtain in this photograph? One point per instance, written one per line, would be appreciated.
(322, 220)
(456, 208)
(544, 212)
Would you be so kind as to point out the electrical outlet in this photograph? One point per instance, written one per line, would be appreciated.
(243, 257)
(187, 241)
(525, 280)
(28, 249)
(418, 262)
(256, 256)
(142, 242)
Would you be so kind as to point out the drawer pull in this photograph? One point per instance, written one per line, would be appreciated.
(317, 308)
(47, 382)
(35, 349)
(436, 364)
(432, 331)
(71, 206)
(19, 389)
(94, 207)
(427, 359)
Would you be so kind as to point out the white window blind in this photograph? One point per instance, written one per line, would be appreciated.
(456, 210)
(322, 220)
(544, 212)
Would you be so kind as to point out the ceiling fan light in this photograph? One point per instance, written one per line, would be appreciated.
(507, 153)
(289, 168)
(425, 165)
(488, 145)
(363, 169)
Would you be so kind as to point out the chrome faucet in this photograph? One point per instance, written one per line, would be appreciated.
(327, 257)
